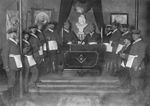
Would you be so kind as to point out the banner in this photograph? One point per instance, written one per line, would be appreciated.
(12, 20)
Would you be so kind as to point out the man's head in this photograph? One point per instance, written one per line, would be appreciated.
(136, 34)
(25, 35)
(124, 28)
(93, 27)
(33, 29)
(67, 25)
(50, 26)
(12, 33)
(82, 19)
(115, 25)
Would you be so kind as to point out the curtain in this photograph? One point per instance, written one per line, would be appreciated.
(66, 5)
(65, 8)
(98, 13)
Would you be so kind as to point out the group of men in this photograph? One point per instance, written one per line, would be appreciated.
(39, 53)
(126, 57)
(40, 47)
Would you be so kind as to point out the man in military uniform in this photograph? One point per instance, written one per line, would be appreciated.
(12, 60)
(112, 62)
(126, 31)
(92, 37)
(69, 36)
(51, 36)
(137, 54)
(123, 72)
(36, 47)
(29, 62)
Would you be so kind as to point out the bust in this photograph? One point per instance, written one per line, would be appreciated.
(81, 25)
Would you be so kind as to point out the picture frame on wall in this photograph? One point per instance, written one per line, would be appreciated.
(41, 15)
(121, 18)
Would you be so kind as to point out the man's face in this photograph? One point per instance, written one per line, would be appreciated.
(114, 27)
(33, 30)
(66, 26)
(135, 36)
(51, 26)
(26, 36)
(13, 35)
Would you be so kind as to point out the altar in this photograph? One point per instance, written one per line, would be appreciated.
(83, 57)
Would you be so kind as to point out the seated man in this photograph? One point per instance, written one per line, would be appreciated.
(92, 37)
(69, 37)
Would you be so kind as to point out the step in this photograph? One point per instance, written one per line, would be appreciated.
(76, 86)
(80, 80)
(75, 91)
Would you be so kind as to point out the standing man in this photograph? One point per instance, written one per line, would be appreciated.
(126, 32)
(12, 60)
(136, 61)
(123, 72)
(51, 36)
(29, 62)
(113, 63)
(36, 44)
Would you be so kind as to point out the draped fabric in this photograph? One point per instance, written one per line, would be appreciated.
(66, 6)
(98, 13)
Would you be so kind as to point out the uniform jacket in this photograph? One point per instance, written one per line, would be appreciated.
(92, 38)
(35, 44)
(115, 38)
(68, 36)
(124, 36)
(51, 35)
(41, 36)
(138, 48)
(11, 48)
(27, 49)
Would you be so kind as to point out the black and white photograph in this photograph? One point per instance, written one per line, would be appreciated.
(74, 52)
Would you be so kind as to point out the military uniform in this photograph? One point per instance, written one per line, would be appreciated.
(137, 54)
(52, 48)
(92, 38)
(30, 64)
(68, 36)
(112, 59)
(37, 51)
(12, 64)
(136, 71)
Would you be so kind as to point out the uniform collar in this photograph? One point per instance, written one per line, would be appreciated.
(91, 33)
(26, 41)
(13, 41)
(39, 30)
(109, 33)
(50, 30)
(137, 40)
(114, 30)
(125, 33)
(33, 35)
(66, 30)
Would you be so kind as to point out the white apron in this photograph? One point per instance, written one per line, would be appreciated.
(31, 60)
(17, 59)
(52, 45)
(41, 51)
